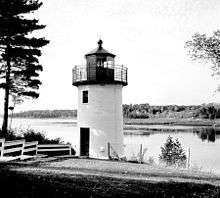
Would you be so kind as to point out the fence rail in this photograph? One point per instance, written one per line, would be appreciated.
(33, 146)
(31, 143)
(13, 143)
(54, 147)
(23, 147)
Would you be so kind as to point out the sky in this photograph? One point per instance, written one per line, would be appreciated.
(148, 36)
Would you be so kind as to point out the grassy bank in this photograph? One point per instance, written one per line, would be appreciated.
(96, 186)
(81, 178)
(172, 121)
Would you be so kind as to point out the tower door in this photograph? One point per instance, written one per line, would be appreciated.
(84, 142)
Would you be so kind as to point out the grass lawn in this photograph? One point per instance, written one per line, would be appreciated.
(17, 184)
(99, 178)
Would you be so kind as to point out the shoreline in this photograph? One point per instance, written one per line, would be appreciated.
(173, 122)
(192, 122)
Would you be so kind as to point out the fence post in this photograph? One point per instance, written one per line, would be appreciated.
(109, 152)
(188, 158)
(141, 153)
(70, 153)
(37, 149)
(23, 146)
(3, 145)
(122, 73)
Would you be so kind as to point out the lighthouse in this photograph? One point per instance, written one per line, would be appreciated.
(99, 117)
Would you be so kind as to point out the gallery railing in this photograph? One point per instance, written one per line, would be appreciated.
(99, 74)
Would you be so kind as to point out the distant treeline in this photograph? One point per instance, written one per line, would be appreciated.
(206, 111)
(47, 114)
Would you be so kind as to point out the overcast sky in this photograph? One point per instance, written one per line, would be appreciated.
(148, 36)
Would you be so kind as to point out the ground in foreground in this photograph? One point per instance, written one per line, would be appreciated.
(91, 178)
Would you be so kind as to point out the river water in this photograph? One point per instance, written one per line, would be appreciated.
(203, 144)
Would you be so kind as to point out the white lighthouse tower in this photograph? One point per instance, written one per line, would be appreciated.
(100, 119)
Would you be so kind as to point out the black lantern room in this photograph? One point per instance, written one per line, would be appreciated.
(100, 68)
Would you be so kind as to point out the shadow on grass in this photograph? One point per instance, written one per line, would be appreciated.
(18, 184)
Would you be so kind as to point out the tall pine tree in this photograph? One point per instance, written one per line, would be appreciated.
(19, 51)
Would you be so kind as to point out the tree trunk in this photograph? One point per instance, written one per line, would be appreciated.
(7, 88)
(5, 118)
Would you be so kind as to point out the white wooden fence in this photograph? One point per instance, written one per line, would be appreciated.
(30, 146)
(2, 146)
(19, 147)
(23, 148)
(54, 147)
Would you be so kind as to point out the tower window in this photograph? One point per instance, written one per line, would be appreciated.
(85, 97)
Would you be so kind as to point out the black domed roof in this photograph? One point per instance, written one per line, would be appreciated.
(100, 51)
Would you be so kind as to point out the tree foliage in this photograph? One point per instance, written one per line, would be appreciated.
(206, 48)
(19, 51)
(47, 114)
(206, 111)
(172, 153)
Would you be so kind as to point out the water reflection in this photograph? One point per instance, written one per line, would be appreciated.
(207, 134)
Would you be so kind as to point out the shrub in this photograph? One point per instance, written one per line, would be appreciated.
(151, 160)
(30, 135)
(11, 135)
(172, 153)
